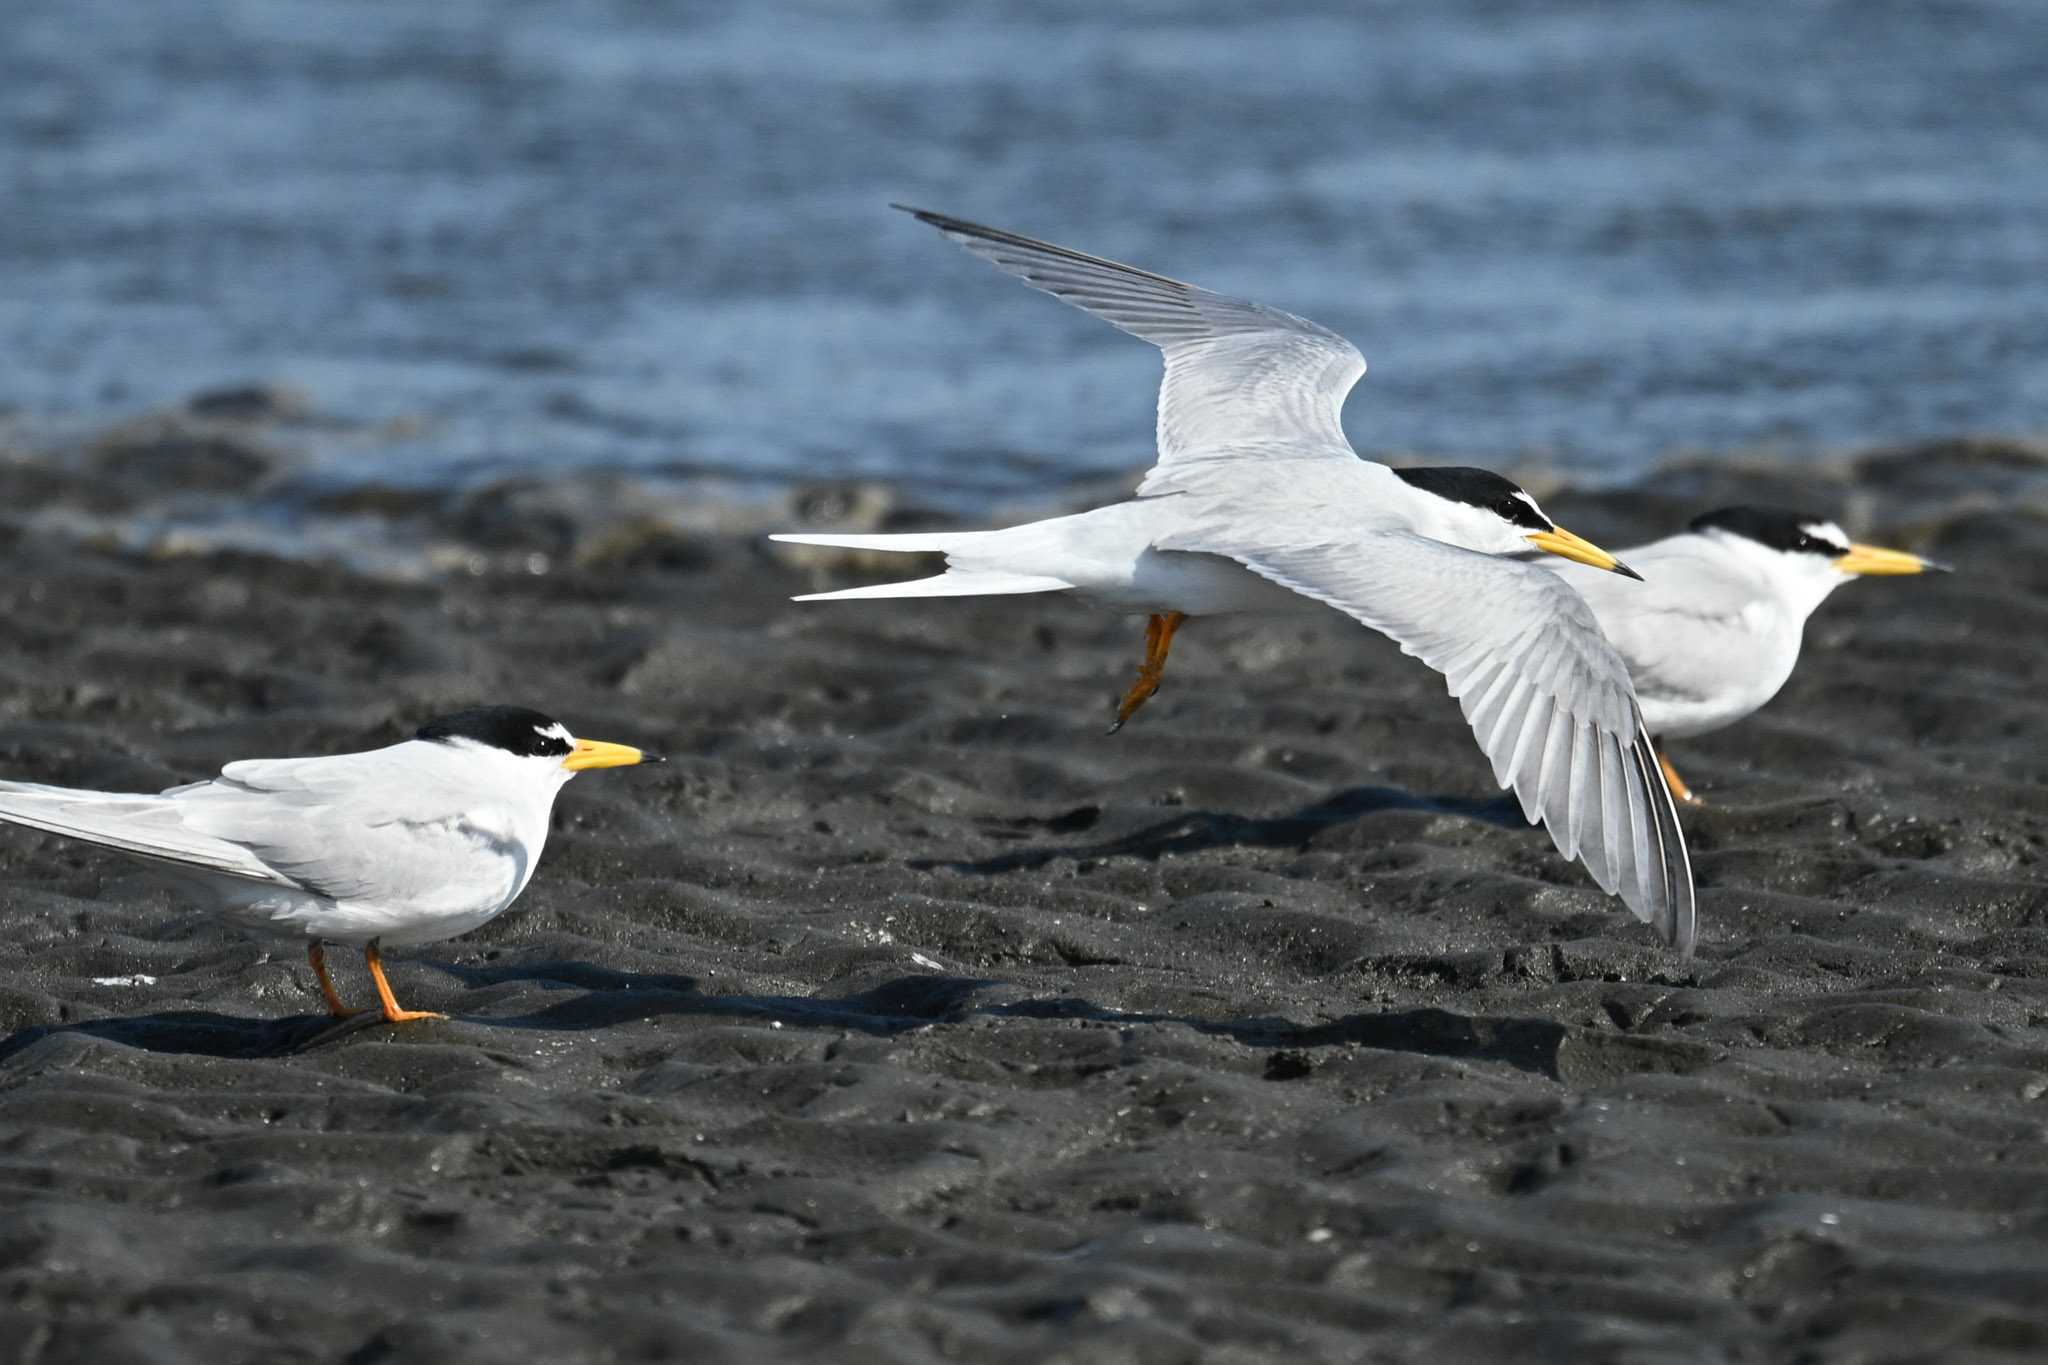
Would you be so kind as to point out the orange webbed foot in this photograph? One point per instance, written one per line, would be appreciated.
(1159, 629)
(1677, 783)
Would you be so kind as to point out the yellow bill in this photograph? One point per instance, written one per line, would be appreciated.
(1559, 541)
(1869, 559)
(596, 753)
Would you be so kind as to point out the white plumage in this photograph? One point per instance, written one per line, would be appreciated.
(1715, 630)
(1258, 503)
(418, 842)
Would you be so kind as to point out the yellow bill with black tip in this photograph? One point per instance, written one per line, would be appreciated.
(1869, 559)
(1559, 541)
(596, 753)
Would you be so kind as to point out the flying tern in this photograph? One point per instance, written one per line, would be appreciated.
(1257, 503)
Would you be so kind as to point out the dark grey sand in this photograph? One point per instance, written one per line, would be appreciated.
(906, 1017)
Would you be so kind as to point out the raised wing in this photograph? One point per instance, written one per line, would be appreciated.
(1240, 377)
(1547, 698)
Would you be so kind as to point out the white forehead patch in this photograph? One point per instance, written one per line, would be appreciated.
(555, 731)
(1827, 531)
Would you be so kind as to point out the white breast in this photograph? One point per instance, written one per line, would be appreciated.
(1708, 636)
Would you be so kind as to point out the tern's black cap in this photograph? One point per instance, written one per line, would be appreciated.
(514, 729)
(1775, 528)
(1479, 488)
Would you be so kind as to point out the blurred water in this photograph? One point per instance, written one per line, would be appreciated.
(649, 235)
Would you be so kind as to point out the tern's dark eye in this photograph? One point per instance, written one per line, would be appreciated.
(1806, 542)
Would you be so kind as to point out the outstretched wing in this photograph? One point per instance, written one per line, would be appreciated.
(1239, 376)
(1547, 697)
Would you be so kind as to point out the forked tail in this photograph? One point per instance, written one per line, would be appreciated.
(959, 580)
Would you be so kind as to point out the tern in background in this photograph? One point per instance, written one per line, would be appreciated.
(414, 843)
(1258, 503)
(1714, 632)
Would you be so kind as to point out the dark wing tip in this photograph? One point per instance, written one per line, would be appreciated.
(961, 227)
(1681, 930)
(946, 222)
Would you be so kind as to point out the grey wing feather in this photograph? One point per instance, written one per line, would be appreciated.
(389, 824)
(148, 827)
(1686, 634)
(1239, 375)
(1547, 698)
(303, 823)
(343, 825)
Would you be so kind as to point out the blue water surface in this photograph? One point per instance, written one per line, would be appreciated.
(654, 236)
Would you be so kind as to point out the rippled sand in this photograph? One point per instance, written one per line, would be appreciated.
(905, 1016)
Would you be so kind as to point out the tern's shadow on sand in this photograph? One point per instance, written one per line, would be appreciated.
(909, 1003)
(194, 1033)
(596, 998)
(1193, 831)
(606, 998)
(610, 997)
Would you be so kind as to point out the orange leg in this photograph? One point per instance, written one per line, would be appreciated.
(1159, 631)
(392, 1014)
(1675, 782)
(317, 955)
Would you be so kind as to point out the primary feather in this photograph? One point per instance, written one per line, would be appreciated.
(1240, 377)
(150, 827)
(1547, 699)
